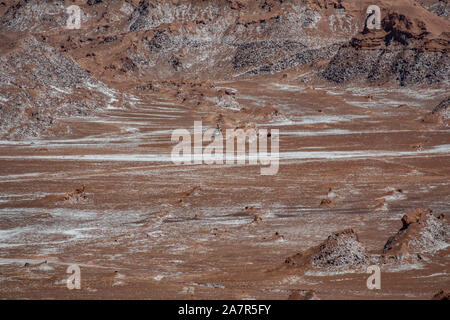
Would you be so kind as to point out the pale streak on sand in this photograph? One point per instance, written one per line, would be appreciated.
(294, 155)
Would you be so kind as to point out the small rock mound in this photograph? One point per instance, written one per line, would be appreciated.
(327, 202)
(227, 100)
(443, 106)
(442, 295)
(421, 232)
(76, 196)
(340, 250)
(267, 113)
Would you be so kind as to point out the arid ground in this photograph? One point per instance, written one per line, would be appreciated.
(86, 175)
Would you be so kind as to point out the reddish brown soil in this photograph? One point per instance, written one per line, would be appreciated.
(156, 230)
(86, 176)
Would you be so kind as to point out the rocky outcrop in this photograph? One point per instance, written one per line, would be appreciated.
(48, 71)
(78, 195)
(339, 251)
(160, 39)
(442, 295)
(440, 115)
(438, 7)
(411, 48)
(422, 232)
(39, 85)
(151, 39)
(442, 106)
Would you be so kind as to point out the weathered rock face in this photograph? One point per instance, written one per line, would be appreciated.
(139, 42)
(341, 249)
(404, 67)
(410, 49)
(38, 84)
(421, 232)
(160, 39)
(438, 7)
(49, 72)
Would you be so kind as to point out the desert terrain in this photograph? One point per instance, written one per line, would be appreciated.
(87, 177)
